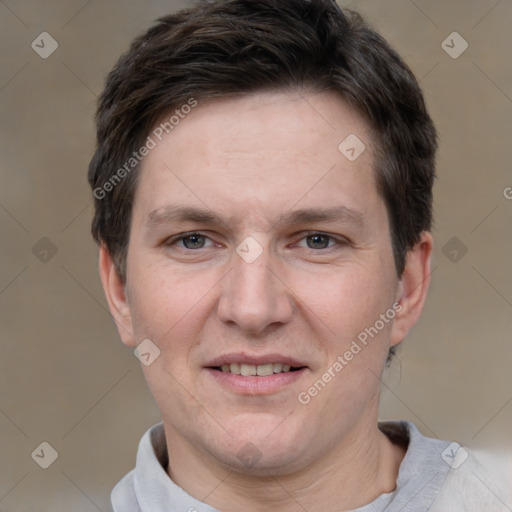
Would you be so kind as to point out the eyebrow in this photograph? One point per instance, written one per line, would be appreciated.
(175, 213)
(328, 215)
(170, 213)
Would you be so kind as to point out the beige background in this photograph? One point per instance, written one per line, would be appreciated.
(66, 378)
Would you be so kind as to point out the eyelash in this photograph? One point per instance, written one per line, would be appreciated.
(179, 238)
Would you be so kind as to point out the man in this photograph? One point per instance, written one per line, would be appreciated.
(263, 183)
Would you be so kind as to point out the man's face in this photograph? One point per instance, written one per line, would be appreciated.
(288, 259)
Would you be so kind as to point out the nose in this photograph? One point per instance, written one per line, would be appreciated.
(254, 296)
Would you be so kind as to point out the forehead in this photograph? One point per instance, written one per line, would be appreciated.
(266, 152)
(271, 121)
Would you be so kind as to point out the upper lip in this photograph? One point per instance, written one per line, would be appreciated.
(244, 358)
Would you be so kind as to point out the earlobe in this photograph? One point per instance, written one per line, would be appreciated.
(413, 288)
(115, 292)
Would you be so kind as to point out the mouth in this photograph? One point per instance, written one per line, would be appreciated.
(255, 375)
(260, 370)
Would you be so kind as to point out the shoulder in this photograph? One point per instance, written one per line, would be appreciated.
(123, 496)
(127, 492)
(446, 474)
(443, 476)
(472, 487)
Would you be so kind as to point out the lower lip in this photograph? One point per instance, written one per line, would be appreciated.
(255, 385)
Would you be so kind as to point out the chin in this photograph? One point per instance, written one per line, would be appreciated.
(263, 446)
(249, 460)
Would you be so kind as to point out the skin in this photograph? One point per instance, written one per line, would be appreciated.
(250, 161)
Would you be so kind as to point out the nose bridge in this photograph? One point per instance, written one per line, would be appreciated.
(252, 281)
(252, 296)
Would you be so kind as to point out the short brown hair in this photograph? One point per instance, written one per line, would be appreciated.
(229, 48)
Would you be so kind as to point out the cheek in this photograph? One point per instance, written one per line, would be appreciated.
(357, 341)
(349, 299)
(170, 308)
(167, 303)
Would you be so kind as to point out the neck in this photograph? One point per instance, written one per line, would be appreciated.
(354, 472)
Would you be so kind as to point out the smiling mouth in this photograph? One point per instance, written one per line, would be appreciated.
(259, 370)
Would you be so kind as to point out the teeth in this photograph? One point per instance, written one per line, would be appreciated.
(247, 369)
(265, 369)
(262, 370)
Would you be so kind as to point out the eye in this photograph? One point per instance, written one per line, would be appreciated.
(318, 241)
(193, 241)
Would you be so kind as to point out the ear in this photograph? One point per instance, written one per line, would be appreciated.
(413, 288)
(115, 292)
